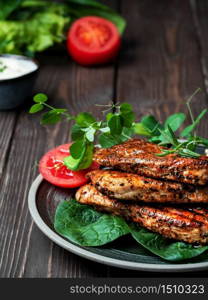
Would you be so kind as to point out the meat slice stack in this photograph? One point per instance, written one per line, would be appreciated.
(138, 175)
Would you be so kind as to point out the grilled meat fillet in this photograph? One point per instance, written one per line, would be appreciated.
(127, 186)
(188, 225)
(138, 156)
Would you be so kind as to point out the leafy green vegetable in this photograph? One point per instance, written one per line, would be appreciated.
(37, 33)
(7, 7)
(85, 226)
(165, 248)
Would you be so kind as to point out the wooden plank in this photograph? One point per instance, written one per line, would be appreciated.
(160, 63)
(7, 124)
(24, 251)
(159, 66)
(199, 11)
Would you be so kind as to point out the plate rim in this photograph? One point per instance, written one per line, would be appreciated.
(124, 264)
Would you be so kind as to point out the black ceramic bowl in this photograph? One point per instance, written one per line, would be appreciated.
(14, 91)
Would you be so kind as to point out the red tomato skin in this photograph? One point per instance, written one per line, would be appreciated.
(65, 178)
(89, 57)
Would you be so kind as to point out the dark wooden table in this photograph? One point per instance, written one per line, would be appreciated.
(163, 60)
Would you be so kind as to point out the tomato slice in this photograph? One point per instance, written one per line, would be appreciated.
(93, 40)
(53, 170)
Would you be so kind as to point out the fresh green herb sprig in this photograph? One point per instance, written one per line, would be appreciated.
(116, 128)
(164, 134)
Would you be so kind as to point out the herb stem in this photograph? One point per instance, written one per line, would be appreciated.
(189, 107)
(67, 115)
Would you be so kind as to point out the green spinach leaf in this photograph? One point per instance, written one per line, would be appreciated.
(165, 248)
(87, 227)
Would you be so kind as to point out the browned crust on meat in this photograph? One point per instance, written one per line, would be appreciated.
(188, 225)
(138, 156)
(127, 186)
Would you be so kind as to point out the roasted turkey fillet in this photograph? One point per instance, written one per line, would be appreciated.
(184, 224)
(140, 157)
(128, 186)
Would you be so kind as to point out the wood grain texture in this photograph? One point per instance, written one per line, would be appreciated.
(200, 11)
(159, 67)
(7, 125)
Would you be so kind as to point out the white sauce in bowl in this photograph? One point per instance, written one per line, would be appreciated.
(11, 67)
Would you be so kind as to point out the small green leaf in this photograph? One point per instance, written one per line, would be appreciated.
(175, 121)
(85, 119)
(50, 118)
(167, 137)
(109, 116)
(164, 153)
(35, 108)
(106, 140)
(126, 134)
(171, 133)
(126, 108)
(202, 141)
(77, 149)
(141, 130)
(83, 162)
(115, 124)
(127, 119)
(105, 129)
(90, 134)
(151, 124)
(186, 132)
(158, 139)
(189, 153)
(76, 132)
(40, 98)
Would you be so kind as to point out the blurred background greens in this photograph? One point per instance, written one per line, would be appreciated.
(30, 26)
